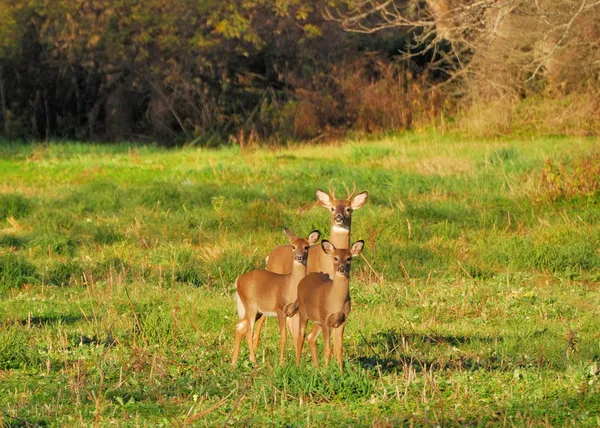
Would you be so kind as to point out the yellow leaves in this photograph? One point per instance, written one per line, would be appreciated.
(312, 31)
(221, 27)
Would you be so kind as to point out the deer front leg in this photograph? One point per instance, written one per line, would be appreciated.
(338, 336)
(326, 338)
(312, 343)
(240, 329)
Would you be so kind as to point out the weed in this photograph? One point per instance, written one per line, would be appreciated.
(577, 177)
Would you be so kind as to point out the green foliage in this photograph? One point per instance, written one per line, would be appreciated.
(324, 385)
(62, 273)
(16, 349)
(14, 205)
(16, 271)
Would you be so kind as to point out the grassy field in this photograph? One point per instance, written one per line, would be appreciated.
(482, 306)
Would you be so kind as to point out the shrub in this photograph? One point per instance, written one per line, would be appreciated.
(576, 178)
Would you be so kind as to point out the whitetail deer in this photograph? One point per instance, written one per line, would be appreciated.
(280, 259)
(326, 302)
(261, 293)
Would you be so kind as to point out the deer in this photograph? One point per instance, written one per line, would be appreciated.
(326, 302)
(280, 259)
(260, 293)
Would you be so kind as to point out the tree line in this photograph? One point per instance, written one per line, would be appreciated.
(211, 70)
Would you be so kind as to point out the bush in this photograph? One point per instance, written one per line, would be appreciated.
(572, 178)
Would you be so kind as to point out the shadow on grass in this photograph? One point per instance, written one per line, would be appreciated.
(46, 320)
(388, 356)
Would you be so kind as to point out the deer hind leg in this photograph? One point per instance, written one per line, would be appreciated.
(240, 330)
(338, 336)
(257, 328)
(293, 324)
(251, 319)
(300, 339)
(282, 336)
(312, 343)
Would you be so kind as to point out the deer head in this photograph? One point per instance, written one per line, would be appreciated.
(342, 258)
(300, 246)
(341, 209)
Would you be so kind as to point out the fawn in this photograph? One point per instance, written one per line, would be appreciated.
(326, 302)
(261, 293)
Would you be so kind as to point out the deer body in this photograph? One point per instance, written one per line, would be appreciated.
(326, 302)
(262, 293)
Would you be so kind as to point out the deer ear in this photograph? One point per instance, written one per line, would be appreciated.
(357, 248)
(359, 200)
(327, 247)
(291, 235)
(324, 199)
(313, 238)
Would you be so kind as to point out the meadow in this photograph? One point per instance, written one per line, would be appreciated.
(477, 302)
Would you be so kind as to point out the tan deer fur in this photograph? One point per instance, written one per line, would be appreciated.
(261, 293)
(280, 259)
(326, 302)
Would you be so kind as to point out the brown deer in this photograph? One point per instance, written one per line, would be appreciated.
(280, 259)
(261, 293)
(326, 302)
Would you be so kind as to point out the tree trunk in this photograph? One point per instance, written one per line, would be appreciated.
(3, 103)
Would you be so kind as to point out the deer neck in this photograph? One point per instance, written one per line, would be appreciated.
(340, 288)
(339, 236)
(298, 272)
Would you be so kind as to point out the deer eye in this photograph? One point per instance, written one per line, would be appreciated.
(337, 259)
(293, 247)
(306, 247)
(332, 209)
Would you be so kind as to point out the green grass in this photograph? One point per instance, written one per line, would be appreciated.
(117, 265)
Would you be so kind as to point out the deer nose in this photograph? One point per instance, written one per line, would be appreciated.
(339, 218)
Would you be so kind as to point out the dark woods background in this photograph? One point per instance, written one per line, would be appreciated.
(205, 71)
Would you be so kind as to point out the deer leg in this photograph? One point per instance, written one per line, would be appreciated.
(338, 335)
(250, 319)
(312, 343)
(282, 336)
(293, 324)
(300, 339)
(240, 329)
(257, 327)
(326, 338)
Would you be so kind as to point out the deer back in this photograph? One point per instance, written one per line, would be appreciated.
(281, 259)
